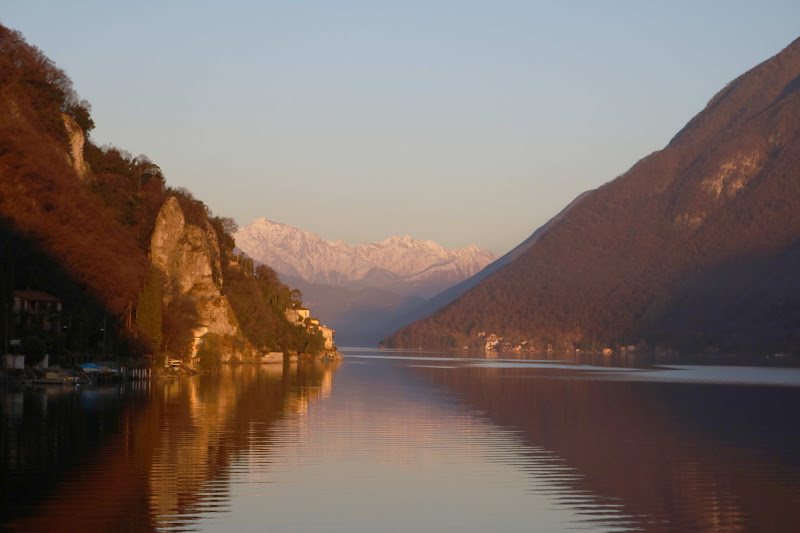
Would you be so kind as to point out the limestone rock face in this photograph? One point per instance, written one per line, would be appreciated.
(76, 141)
(187, 254)
(165, 250)
(189, 258)
(217, 315)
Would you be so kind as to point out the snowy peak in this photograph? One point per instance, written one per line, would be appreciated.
(295, 252)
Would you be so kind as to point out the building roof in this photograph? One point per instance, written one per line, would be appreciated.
(36, 296)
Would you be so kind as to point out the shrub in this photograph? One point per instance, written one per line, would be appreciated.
(209, 352)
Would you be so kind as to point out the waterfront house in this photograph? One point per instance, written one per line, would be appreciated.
(37, 310)
(327, 334)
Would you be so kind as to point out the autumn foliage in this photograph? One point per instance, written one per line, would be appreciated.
(85, 236)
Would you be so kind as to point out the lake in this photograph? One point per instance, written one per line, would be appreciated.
(401, 441)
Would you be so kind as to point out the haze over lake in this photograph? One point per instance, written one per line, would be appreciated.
(401, 441)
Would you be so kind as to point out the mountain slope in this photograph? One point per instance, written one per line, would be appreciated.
(451, 293)
(716, 213)
(57, 234)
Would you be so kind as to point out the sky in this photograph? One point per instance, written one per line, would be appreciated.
(454, 121)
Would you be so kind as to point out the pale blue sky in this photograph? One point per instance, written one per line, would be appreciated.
(456, 121)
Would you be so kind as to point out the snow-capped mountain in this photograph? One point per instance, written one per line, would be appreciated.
(396, 261)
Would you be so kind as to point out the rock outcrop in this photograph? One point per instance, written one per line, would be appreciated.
(76, 141)
(188, 256)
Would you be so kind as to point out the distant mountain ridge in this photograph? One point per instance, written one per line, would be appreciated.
(397, 260)
(364, 292)
(695, 248)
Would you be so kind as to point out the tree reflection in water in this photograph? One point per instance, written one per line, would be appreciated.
(457, 441)
(144, 457)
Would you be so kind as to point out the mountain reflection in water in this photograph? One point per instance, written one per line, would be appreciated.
(677, 456)
(411, 442)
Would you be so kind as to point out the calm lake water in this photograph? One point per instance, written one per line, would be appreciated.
(395, 441)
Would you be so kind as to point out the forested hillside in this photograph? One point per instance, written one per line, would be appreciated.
(697, 247)
(76, 221)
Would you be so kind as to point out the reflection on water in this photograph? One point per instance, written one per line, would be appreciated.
(150, 456)
(677, 453)
(408, 443)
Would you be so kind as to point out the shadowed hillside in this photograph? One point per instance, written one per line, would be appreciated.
(695, 247)
(450, 294)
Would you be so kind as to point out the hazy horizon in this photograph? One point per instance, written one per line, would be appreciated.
(459, 123)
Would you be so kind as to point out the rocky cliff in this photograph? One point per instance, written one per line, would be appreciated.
(188, 256)
(77, 140)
